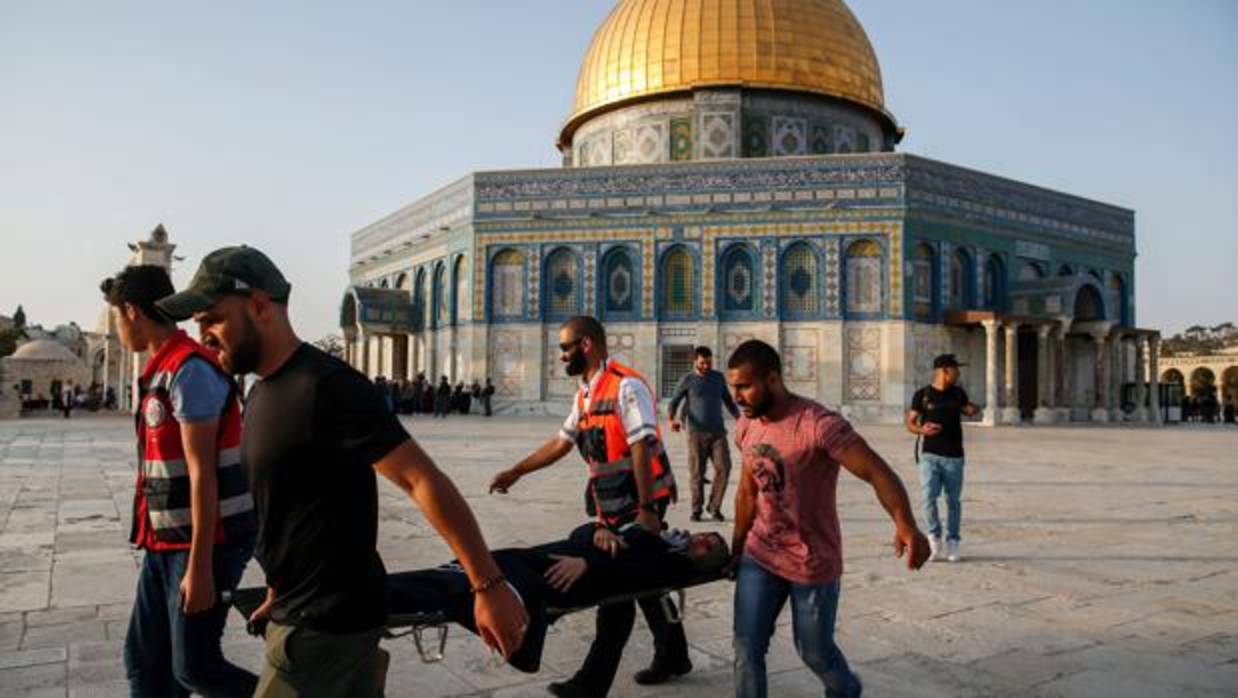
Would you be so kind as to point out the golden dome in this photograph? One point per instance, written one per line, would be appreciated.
(654, 47)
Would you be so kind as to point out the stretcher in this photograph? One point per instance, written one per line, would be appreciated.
(428, 629)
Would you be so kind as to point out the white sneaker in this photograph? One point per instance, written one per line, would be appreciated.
(952, 551)
(934, 548)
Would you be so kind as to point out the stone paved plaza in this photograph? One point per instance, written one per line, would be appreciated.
(1099, 562)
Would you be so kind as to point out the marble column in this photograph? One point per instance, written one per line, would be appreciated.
(107, 363)
(1118, 377)
(1154, 379)
(1063, 368)
(990, 373)
(363, 346)
(1011, 414)
(1100, 383)
(1045, 414)
(1141, 381)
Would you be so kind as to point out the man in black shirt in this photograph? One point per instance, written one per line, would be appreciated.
(315, 432)
(936, 415)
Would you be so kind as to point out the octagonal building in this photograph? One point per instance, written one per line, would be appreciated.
(729, 172)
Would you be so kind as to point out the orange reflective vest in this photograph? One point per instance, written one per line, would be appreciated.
(603, 443)
(162, 508)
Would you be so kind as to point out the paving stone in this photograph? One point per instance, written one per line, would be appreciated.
(63, 634)
(29, 678)
(57, 616)
(32, 657)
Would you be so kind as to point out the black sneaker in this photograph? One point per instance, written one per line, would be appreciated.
(659, 672)
(717, 516)
(696, 516)
(567, 689)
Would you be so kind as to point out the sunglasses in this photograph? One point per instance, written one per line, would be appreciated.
(570, 345)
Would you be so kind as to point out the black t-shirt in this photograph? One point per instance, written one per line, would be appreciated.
(944, 408)
(313, 431)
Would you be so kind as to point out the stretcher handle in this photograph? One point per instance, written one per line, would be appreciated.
(673, 612)
(430, 655)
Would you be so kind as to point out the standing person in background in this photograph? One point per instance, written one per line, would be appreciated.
(705, 393)
(442, 398)
(66, 398)
(193, 513)
(787, 540)
(487, 394)
(936, 416)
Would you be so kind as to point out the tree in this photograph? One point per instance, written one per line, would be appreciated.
(19, 318)
(332, 344)
(8, 340)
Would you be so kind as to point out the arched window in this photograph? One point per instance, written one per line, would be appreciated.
(1031, 271)
(619, 283)
(562, 284)
(384, 284)
(994, 284)
(421, 309)
(798, 281)
(863, 272)
(923, 293)
(1065, 270)
(1088, 304)
(1118, 285)
(678, 284)
(460, 282)
(507, 285)
(442, 304)
(959, 288)
(402, 282)
(738, 272)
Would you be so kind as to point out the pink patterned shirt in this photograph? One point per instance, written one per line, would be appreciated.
(794, 460)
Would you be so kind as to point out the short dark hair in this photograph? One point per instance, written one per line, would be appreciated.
(703, 351)
(588, 326)
(760, 356)
(140, 286)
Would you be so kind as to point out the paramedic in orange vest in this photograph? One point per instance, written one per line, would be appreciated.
(614, 426)
(193, 513)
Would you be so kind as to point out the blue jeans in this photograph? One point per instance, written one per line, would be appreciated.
(759, 598)
(169, 654)
(938, 473)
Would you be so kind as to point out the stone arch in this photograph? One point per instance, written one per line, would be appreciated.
(441, 313)
(620, 285)
(507, 284)
(924, 281)
(1089, 304)
(562, 292)
(1229, 386)
(402, 282)
(737, 285)
(384, 284)
(1173, 375)
(677, 284)
(799, 281)
(1202, 382)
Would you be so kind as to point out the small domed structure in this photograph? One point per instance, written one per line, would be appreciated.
(39, 365)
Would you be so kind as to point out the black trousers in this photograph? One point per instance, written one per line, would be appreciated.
(614, 626)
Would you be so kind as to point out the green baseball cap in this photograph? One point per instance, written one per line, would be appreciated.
(225, 271)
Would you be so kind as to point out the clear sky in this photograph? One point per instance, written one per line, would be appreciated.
(288, 125)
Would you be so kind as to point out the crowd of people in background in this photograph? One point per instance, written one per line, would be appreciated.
(423, 396)
(1206, 408)
(68, 396)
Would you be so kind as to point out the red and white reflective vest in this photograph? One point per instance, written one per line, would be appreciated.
(162, 511)
(603, 443)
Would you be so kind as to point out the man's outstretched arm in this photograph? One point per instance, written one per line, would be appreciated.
(501, 618)
(864, 463)
(549, 454)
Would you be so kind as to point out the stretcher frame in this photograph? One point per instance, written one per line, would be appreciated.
(433, 649)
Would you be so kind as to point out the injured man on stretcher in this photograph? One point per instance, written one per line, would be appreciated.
(585, 570)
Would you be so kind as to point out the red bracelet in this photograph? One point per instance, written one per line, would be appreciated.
(488, 584)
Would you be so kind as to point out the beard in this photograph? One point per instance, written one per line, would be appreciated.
(576, 364)
(243, 356)
(761, 407)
